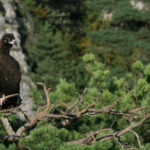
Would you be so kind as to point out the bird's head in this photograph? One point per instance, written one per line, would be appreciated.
(6, 42)
(8, 39)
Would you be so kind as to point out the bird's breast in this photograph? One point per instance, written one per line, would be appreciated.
(10, 75)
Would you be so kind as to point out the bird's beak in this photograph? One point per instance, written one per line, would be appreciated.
(13, 42)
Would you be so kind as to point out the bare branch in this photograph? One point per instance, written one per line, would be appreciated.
(87, 140)
(137, 109)
(80, 99)
(80, 113)
(117, 140)
(133, 125)
(46, 91)
(39, 109)
(11, 138)
(137, 136)
(9, 96)
(7, 126)
(23, 128)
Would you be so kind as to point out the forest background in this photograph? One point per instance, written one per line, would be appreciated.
(94, 55)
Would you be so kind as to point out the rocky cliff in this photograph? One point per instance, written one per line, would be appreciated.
(9, 24)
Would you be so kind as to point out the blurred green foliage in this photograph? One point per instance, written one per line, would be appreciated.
(54, 48)
(63, 31)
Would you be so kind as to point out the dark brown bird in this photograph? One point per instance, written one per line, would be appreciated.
(10, 74)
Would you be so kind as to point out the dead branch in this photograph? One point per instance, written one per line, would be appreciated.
(11, 138)
(89, 111)
(80, 113)
(39, 108)
(133, 125)
(10, 110)
(87, 140)
(117, 140)
(137, 109)
(80, 99)
(9, 96)
(7, 126)
(63, 104)
(137, 136)
(40, 115)
(11, 134)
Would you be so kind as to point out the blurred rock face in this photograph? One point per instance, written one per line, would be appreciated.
(8, 24)
(140, 5)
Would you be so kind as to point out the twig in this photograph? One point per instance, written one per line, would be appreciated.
(80, 113)
(80, 99)
(113, 123)
(89, 139)
(39, 108)
(47, 95)
(137, 136)
(63, 104)
(117, 140)
(9, 96)
(137, 109)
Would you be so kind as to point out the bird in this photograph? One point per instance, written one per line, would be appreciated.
(10, 74)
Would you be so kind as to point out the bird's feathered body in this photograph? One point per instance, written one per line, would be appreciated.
(10, 75)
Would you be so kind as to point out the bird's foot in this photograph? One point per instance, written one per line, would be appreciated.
(2, 99)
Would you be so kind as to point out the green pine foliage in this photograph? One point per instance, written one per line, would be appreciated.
(11, 147)
(133, 91)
